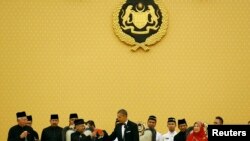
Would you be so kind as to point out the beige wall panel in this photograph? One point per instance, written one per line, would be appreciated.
(61, 56)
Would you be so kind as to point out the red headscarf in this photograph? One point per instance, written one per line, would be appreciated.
(199, 136)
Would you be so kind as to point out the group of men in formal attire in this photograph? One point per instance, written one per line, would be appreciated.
(79, 130)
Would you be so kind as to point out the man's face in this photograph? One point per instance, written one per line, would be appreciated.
(121, 118)
(171, 126)
(71, 121)
(22, 121)
(54, 122)
(217, 122)
(151, 124)
(29, 123)
(80, 128)
(91, 127)
(182, 127)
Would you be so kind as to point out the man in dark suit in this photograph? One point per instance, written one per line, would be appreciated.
(78, 135)
(29, 123)
(182, 135)
(53, 132)
(21, 132)
(125, 130)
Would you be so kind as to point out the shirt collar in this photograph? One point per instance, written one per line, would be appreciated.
(126, 122)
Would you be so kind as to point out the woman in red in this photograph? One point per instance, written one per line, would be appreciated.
(198, 133)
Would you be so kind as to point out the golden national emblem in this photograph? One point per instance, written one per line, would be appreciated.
(140, 23)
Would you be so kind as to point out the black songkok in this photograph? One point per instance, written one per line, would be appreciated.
(78, 121)
(182, 121)
(73, 115)
(171, 119)
(20, 114)
(152, 117)
(54, 116)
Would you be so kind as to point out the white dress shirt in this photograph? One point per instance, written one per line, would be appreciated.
(123, 129)
(158, 136)
(169, 136)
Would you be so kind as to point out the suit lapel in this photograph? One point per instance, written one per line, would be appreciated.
(127, 130)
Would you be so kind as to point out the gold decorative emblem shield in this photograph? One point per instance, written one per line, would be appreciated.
(140, 23)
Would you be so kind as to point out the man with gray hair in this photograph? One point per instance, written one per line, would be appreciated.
(125, 130)
(21, 132)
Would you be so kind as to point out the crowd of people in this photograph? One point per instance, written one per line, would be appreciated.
(125, 130)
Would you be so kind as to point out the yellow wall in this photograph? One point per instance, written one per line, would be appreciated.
(61, 56)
